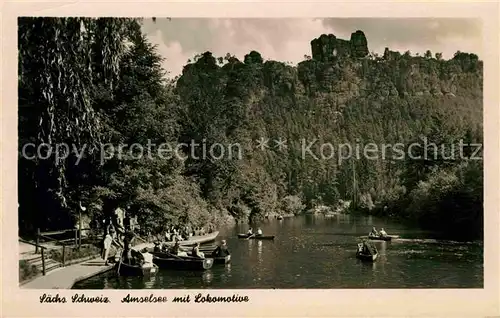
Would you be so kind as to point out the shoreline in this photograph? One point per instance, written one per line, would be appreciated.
(66, 277)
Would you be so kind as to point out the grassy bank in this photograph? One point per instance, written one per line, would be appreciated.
(27, 271)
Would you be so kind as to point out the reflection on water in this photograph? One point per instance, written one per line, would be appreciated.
(318, 252)
(382, 247)
(207, 277)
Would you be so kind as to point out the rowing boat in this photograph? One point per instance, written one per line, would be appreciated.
(124, 269)
(221, 259)
(197, 239)
(367, 257)
(217, 259)
(169, 261)
(380, 238)
(257, 237)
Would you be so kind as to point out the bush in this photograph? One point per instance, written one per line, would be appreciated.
(27, 270)
(73, 253)
(292, 204)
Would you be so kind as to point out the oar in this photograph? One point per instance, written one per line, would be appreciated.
(120, 264)
(176, 256)
(250, 237)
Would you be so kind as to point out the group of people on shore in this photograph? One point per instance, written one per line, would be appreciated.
(173, 234)
(119, 231)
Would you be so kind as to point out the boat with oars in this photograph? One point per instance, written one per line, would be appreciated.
(366, 257)
(255, 236)
(125, 269)
(170, 261)
(202, 239)
(217, 259)
(380, 238)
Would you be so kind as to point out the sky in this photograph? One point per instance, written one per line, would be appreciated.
(288, 40)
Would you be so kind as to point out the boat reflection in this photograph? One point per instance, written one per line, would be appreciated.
(150, 283)
(207, 277)
(383, 247)
(226, 275)
(367, 265)
(259, 251)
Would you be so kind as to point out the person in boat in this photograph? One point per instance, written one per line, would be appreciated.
(157, 247)
(127, 252)
(175, 249)
(196, 251)
(259, 232)
(383, 233)
(367, 248)
(137, 258)
(221, 250)
(250, 232)
(147, 258)
(168, 235)
(164, 247)
(373, 232)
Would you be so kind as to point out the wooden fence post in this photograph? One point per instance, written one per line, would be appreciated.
(37, 240)
(76, 237)
(43, 262)
(80, 229)
(64, 255)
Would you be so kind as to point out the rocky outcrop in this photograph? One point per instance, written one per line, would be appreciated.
(327, 47)
(323, 48)
(391, 55)
(359, 44)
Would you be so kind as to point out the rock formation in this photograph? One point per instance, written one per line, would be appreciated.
(327, 47)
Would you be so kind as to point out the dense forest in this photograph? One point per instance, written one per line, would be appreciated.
(88, 82)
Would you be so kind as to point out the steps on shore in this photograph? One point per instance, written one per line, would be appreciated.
(36, 260)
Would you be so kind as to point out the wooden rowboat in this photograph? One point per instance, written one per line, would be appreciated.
(124, 269)
(257, 237)
(366, 257)
(197, 239)
(221, 259)
(169, 261)
(380, 238)
(217, 259)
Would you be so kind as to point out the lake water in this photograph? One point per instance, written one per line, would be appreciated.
(319, 252)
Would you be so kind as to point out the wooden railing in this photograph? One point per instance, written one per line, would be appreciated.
(76, 239)
(45, 235)
(42, 248)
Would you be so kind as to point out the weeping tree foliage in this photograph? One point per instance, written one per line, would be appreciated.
(62, 63)
(95, 85)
